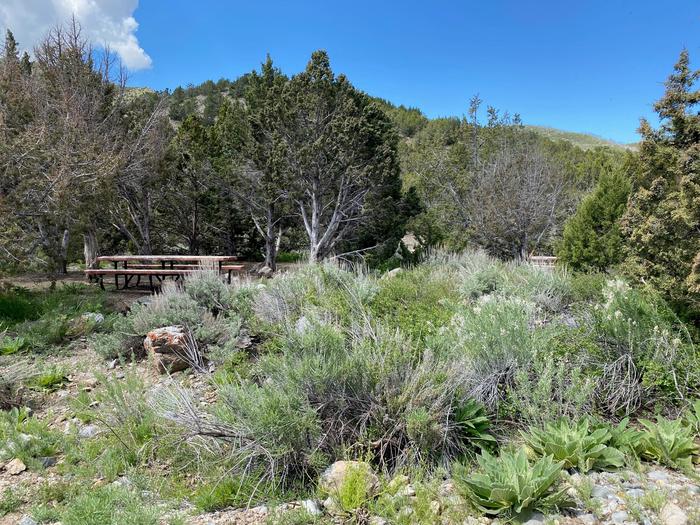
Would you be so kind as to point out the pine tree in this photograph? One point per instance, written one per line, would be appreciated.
(662, 222)
(592, 239)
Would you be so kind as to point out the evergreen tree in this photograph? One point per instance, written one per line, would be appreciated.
(662, 222)
(341, 151)
(592, 238)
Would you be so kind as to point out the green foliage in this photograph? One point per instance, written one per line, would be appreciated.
(665, 207)
(591, 239)
(509, 485)
(473, 422)
(355, 491)
(11, 345)
(577, 445)
(109, 505)
(419, 303)
(668, 442)
(9, 502)
(50, 380)
(227, 492)
(42, 319)
(27, 438)
(624, 438)
(692, 417)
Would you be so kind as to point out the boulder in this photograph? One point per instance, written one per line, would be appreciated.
(166, 347)
(672, 514)
(15, 467)
(334, 476)
(265, 271)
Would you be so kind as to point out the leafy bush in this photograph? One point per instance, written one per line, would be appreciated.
(208, 289)
(326, 392)
(27, 438)
(9, 502)
(648, 353)
(548, 388)
(355, 491)
(692, 417)
(109, 505)
(668, 442)
(509, 485)
(577, 445)
(11, 345)
(172, 306)
(49, 380)
(624, 438)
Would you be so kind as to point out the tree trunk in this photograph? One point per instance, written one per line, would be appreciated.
(90, 249)
(271, 243)
(61, 261)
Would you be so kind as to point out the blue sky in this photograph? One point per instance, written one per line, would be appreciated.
(589, 66)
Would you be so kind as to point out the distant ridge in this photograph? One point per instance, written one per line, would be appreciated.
(582, 140)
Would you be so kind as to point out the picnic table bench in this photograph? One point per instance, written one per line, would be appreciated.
(158, 267)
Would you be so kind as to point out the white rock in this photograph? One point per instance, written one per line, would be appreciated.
(89, 431)
(635, 493)
(376, 520)
(302, 325)
(619, 517)
(672, 514)
(602, 492)
(311, 507)
(95, 317)
(26, 520)
(588, 519)
(392, 273)
(657, 475)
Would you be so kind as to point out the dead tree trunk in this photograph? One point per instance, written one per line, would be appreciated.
(90, 249)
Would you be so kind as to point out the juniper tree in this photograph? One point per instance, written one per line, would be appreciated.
(251, 155)
(340, 150)
(662, 221)
(592, 239)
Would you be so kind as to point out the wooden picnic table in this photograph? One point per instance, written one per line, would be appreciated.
(158, 266)
(167, 260)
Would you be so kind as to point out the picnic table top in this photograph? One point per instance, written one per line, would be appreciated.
(174, 258)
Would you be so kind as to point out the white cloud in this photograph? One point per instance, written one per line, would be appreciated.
(104, 22)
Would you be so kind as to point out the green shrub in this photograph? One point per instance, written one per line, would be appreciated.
(417, 302)
(355, 491)
(16, 305)
(109, 505)
(473, 423)
(9, 502)
(11, 345)
(624, 438)
(50, 380)
(591, 238)
(27, 438)
(207, 288)
(227, 492)
(551, 387)
(170, 307)
(509, 485)
(668, 442)
(648, 353)
(692, 417)
(577, 445)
